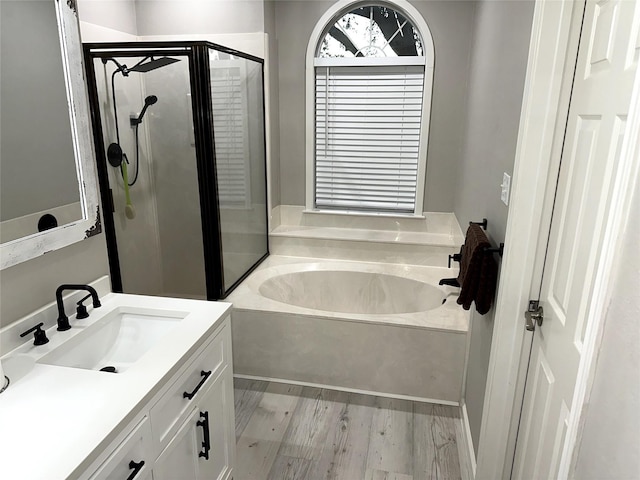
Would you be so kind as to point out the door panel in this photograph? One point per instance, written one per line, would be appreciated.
(218, 403)
(541, 390)
(601, 95)
(180, 458)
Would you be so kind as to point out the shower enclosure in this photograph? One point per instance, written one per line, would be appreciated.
(180, 145)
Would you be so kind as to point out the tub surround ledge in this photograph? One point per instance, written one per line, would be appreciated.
(426, 240)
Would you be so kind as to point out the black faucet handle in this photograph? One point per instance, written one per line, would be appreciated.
(81, 310)
(39, 335)
(453, 282)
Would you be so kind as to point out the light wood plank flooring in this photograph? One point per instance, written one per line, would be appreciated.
(289, 432)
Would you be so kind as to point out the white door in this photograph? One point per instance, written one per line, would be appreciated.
(601, 96)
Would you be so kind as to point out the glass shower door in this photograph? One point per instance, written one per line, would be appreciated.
(237, 98)
(146, 112)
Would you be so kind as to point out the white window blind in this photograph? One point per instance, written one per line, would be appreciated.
(368, 123)
(229, 99)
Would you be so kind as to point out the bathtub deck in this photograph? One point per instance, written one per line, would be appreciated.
(293, 432)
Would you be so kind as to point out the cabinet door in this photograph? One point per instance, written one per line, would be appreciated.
(216, 406)
(180, 459)
(131, 460)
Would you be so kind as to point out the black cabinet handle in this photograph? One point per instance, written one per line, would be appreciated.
(205, 375)
(206, 445)
(136, 467)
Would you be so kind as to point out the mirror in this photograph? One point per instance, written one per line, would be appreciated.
(48, 188)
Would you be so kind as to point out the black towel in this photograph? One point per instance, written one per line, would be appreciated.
(478, 271)
(487, 284)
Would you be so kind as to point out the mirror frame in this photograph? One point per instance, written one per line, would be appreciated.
(32, 246)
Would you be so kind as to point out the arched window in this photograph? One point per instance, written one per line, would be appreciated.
(369, 80)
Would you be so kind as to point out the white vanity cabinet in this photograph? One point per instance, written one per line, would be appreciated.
(187, 432)
(203, 446)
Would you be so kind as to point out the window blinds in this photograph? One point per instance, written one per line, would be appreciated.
(228, 95)
(368, 123)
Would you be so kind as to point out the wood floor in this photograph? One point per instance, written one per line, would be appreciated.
(287, 432)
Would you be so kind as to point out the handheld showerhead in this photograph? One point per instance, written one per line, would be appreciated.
(150, 100)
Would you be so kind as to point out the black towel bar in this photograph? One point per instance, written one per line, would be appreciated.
(499, 250)
(483, 223)
(456, 257)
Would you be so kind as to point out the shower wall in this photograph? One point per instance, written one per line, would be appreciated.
(138, 245)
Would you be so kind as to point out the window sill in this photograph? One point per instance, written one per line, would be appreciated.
(359, 213)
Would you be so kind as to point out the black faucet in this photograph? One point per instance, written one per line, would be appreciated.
(63, 320)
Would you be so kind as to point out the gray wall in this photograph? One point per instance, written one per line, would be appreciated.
(117, 15)
(38, 164)
(178, 17)
(175, 17)
(273, 117)
(31, 285)
(611, 435)
(451, 24)
(499, 60)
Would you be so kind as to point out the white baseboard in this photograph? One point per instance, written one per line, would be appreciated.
(468, 452)
(349, 390)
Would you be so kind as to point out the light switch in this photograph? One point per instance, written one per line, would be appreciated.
(506, 186)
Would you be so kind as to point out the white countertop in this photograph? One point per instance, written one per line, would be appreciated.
(54, 421)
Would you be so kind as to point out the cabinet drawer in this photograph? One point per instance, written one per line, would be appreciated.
(132, 459)
(169, 413)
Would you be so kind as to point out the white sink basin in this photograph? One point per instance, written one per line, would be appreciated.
(116, 341)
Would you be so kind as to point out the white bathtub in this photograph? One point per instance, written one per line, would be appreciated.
(345, 291)
(381, 328)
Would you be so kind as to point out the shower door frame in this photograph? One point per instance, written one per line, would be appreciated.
(197, 53)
